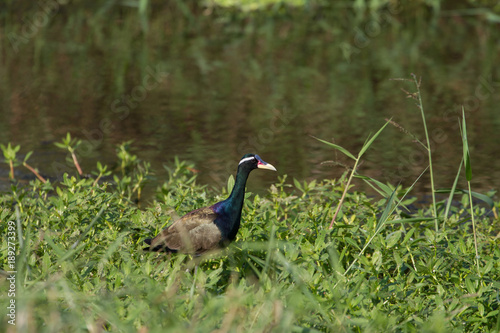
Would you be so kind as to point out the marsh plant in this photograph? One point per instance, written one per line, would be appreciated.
(310, 255)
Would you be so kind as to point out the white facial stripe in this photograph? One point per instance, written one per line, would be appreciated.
(243, 160)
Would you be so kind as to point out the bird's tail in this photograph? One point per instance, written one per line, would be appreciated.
(148, 241)
(157, 248)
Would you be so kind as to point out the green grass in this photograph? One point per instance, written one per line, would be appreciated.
(80, 266)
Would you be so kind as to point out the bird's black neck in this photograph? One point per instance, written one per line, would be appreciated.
(233, 204)
(237, 196)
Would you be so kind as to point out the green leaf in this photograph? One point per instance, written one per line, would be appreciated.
(341, 149)
(28, 155)
(491, 16)
(9, 152)
(377, 258)
(393, 238)
(58, 250)
(230, 184)
(470, 285)
(468, 168)
(382, 189)
(5, 151)
(352, 242)
(298, 185)
(448, 204)
(60, 145)
(492, 313)
(77, 143)
(480, 196)
(387, 211)
(370, 141)
(408, 235)
(412, 220)
(487, 268)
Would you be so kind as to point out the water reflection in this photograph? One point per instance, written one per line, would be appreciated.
(262, 84)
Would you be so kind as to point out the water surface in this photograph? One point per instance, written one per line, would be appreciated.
(209, 87)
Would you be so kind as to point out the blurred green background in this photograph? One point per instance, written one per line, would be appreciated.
(209, 81)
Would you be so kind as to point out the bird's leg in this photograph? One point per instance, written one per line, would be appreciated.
(195, 275)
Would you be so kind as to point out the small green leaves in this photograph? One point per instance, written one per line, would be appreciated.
(102, 172)
(102, 169)
(9, 152)
(127, 159)
(68, 143)
(71, 145)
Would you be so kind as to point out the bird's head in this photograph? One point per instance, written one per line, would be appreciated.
(252, 161)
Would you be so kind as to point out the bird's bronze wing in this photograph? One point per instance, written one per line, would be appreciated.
(195, 232)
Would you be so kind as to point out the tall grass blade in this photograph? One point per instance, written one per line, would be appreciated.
(428, 147)
(387, 211)
(339, 148)
(143, 15)
(468, 175)
(411, 220)
(465, 142)
(21, 260)
(474, 228)
(370, 141)
(452, 192)
(339, 206)
(19, 227)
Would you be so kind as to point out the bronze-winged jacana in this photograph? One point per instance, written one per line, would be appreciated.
(210, 227)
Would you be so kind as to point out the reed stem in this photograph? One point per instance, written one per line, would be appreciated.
(429, 152)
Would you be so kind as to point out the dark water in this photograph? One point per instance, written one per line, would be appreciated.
(209, 87)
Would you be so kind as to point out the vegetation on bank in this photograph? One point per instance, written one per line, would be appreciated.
(381, 267)
(80, 264)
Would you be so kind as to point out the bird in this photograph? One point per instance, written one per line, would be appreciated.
(211, 227)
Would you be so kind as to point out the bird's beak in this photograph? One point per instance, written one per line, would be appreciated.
(265, 165)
